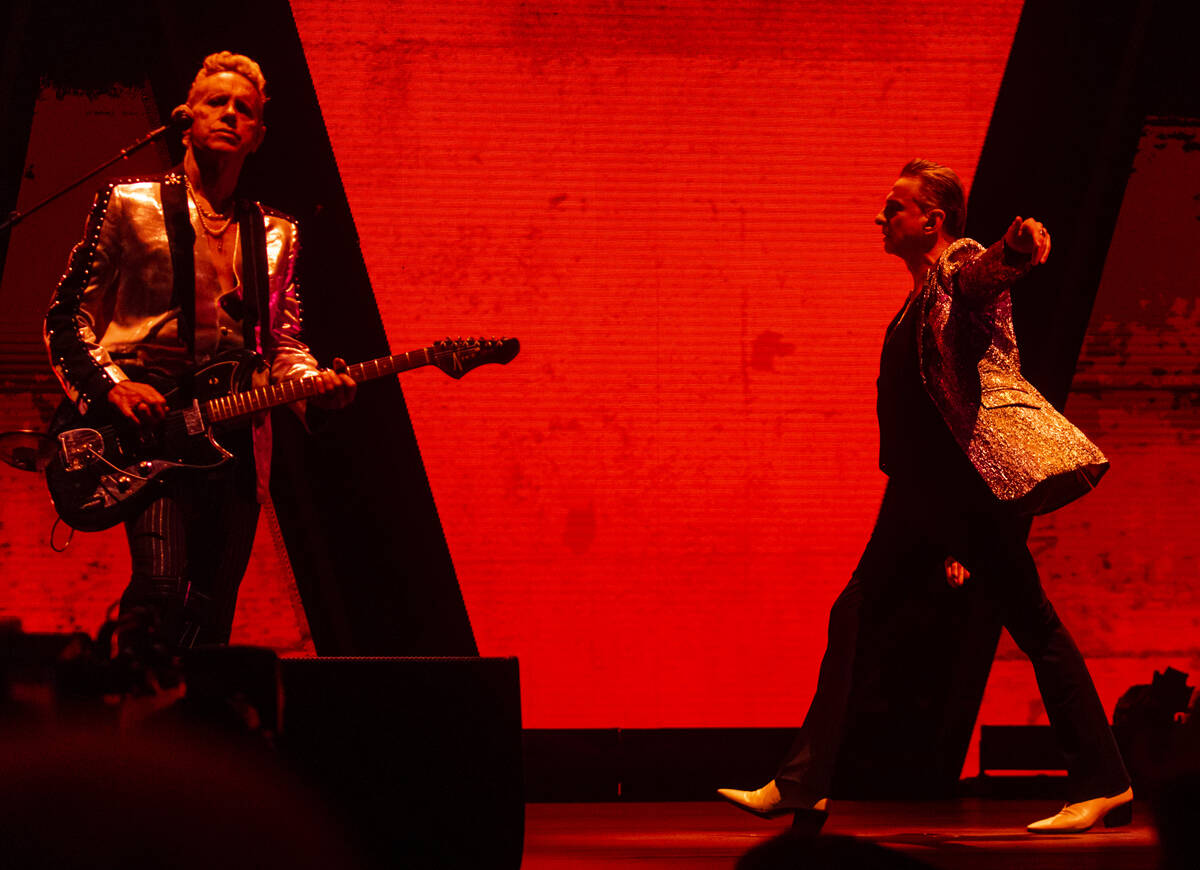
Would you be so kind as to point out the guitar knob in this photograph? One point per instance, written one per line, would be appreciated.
(123, 483)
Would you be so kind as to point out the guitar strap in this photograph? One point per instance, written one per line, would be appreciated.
(181, 240)
(255, 279)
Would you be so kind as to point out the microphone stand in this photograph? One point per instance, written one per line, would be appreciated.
(15, 217)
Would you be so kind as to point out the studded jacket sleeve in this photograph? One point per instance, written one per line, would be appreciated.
(285, 350)
(78, 308)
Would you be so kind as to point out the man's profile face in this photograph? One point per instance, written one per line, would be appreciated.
(227, 115)
(904, 223)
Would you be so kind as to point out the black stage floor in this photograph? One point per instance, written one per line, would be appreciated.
(968, 834)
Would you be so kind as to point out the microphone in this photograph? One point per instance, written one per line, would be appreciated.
(181, 117)
(179, 122)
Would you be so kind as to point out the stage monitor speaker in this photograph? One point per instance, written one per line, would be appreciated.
(422, 756)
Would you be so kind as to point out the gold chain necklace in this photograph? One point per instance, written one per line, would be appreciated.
(218, 234)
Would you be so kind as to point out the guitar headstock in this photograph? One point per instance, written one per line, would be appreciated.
(457, 356)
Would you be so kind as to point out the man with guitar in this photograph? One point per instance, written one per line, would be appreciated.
(172, 273)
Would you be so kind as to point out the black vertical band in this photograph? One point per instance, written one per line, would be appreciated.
(252, 228)
(181, 239)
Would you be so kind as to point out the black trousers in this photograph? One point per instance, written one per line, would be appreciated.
(189, 549)
(915, 530)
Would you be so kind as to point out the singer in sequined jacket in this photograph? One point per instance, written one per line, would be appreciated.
(970, 449)
(123, 302)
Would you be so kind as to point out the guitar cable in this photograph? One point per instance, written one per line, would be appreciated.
(67, 542)
(116, 468)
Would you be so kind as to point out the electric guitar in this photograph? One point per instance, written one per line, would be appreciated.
(106, 468)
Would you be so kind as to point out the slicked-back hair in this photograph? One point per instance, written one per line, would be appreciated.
(227, 61)
(940, 188)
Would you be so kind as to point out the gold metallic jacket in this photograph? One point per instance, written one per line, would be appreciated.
(118, 303)
(1026, 451)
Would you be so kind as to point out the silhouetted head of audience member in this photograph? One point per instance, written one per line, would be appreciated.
(802, 851)
(1177, 803)
(75, 798)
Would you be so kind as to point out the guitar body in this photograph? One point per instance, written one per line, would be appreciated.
(106, 469)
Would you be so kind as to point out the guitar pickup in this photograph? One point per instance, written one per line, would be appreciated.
(193, 419)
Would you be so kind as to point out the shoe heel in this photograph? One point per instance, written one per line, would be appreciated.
(1118, 816)
(808, 823)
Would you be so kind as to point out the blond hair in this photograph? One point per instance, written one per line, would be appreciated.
(227, 61)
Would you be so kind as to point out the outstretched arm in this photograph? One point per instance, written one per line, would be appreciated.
(1026, 244)
(1028, 237)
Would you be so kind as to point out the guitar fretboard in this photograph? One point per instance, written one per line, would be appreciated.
(272, 395)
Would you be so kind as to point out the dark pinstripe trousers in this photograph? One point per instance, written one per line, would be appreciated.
(189, 549)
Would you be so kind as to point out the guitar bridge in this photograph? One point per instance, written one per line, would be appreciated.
(80, 448)
(193, 419)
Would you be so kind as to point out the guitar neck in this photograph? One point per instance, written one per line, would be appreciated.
(269, 396)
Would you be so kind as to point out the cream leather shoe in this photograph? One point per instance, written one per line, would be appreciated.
(767, 803)
(1076, 818)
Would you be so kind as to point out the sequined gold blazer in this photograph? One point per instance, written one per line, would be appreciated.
(1028, 453)
(135, 297)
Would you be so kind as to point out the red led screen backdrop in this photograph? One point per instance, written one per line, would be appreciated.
(671, 206)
